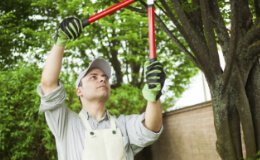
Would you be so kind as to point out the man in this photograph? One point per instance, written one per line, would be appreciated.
(94, 134)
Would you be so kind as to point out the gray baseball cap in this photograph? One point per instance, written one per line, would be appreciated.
(96, 63)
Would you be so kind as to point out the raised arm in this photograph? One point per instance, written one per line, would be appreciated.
(69, 28)
(51, 70)
(153, 116)
(155, 77)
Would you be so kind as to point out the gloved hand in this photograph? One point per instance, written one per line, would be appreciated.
(155, 78)
(69, 28)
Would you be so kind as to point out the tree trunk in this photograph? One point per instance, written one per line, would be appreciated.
(231, 106)
(253, 94)
(115, 62)
(224, 142)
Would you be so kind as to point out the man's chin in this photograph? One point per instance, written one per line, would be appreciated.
(104, 97)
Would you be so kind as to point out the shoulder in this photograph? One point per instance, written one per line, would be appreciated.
(59, 90)
(127, 118)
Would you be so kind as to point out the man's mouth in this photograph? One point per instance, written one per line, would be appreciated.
(102, 86)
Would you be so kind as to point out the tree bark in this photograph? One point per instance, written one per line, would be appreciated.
(234, 123)
(230, 105)
(220, 97)
(115, 62)
(253, 94)
(244, 111)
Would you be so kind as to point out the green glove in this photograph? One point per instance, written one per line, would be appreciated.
(69, 28)
(155, 78)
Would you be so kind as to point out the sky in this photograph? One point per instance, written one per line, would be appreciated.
(198, 91)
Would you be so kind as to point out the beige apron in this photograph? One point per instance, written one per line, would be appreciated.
(105, 144)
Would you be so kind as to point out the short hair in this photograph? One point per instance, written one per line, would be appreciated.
(80, 85)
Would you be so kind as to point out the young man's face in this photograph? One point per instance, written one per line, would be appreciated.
(95, 86)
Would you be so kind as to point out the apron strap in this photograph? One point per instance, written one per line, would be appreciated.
(85, 121)
(89, 128)
(112, 122)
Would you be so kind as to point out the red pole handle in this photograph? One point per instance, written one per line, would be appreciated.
(151, 31)
(107, 11)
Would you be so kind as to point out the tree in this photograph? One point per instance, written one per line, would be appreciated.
(235, 90)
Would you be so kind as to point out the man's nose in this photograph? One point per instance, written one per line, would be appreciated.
(102, 79)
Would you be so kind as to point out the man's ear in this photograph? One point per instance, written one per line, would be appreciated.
(78, 91)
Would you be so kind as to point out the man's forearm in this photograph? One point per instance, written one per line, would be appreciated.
(153, 116)
(51, 70)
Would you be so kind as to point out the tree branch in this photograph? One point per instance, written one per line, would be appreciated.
(248, 49)
(233, 42)
(181, 30)
(252, 37)
(245, 114)
(200, 47)
(177, 24)
(253, 94)
(196, 18)
(177, 42)
(220, 27)
(257, 8)
(106, 51)
(245, 16)
(210, 36)
(115, 61)
(173, 18)
(143, 3)
(161, 8)
(234, 126)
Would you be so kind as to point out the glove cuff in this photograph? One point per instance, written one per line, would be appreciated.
(61, 38)
(158, 96)
(150, 95)
(61, 42)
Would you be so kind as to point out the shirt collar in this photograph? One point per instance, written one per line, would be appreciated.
(87, 115)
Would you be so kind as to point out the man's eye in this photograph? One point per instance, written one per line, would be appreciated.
(105, 77)
(92, 77)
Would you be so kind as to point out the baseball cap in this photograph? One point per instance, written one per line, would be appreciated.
(96, 63)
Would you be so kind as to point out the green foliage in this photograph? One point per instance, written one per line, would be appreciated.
(126, 99)
(24, 133)
(72, 100)
(23, 27)
(189, 7)
(224, 8)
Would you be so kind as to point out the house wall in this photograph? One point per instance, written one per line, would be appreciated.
(189, 133)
